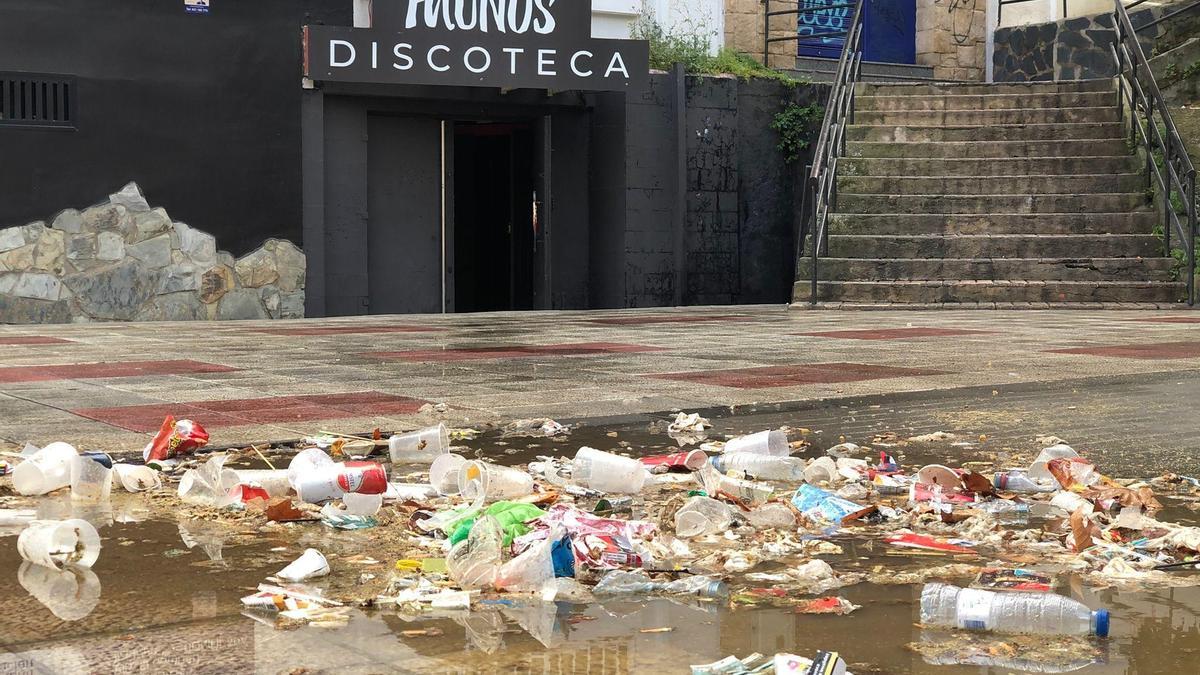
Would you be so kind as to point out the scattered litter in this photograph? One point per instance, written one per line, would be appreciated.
(309, 565)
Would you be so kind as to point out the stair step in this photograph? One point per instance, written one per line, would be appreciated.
(995, 246)
(980, 117)
(823, 69)
(1000, 149)
(941, 88)
(993, 185)
(940, 203)
(928, 102)
(950, 292)
(1135, 222)
(1045, 269)
(995, 166)
(893, 133)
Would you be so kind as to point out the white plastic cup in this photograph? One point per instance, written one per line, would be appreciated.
(772, 443)
(821, 469)
(493, 481)
(136, 478)
(607, 472)
(71, 593)
(56, 543)
(310, 565)
(305, 462)
(275, 482)
(421, 446)
(443, 473)
(91, 477)
(46, 470)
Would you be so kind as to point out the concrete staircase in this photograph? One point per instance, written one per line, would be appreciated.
(1007, 195)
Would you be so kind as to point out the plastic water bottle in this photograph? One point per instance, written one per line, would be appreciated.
(1030, 613)
(766, 467)
(1020, 481)
(1004, 511)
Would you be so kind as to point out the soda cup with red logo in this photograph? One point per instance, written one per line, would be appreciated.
(331, 482)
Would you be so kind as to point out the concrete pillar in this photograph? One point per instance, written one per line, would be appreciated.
(952, 37)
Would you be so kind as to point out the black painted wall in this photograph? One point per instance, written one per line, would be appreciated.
(203, 111)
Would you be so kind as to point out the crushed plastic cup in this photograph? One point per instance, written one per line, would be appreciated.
(58, 543)
(362, 505)
(70, 593)
(308, 566)
(821, 470)
(607, 472)
(136, 478)
(46, 470)
(1039, 470)
(421, 446)
(443, 473)
(474, 561)
(208, 485)
(772, 443)
(772, 516)
(275, 482)
(702, 515)
(91, 477)
(493, 481)
(942, 476)
(530, 570)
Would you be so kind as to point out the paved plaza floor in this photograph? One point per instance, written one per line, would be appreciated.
(108, 386)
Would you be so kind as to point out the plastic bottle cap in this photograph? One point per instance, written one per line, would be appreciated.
(999, 481)
(1101, 618)
(717, 463)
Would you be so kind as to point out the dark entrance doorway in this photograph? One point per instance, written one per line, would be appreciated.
(495, 227)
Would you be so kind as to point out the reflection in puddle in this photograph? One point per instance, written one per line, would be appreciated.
(71, 593)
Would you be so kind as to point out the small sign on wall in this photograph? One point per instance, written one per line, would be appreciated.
(196, 6)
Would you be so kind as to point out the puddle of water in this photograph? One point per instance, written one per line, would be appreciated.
(164, 596)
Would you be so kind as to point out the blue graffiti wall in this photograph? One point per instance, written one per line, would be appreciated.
(889, 29)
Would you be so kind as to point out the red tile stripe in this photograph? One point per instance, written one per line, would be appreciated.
(33, 340)
(345, 330)
(660, 319)
(240, 412)
(513, 352)
(1161, 350)
(92, 371)
(895, 333)
(787, 376)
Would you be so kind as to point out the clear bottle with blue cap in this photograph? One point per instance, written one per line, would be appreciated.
(1009, 612)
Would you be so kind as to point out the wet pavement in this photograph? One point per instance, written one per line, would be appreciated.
(169, 586)
(111, 384)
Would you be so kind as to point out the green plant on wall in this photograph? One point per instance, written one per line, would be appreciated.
(795, 125)
(689, 45)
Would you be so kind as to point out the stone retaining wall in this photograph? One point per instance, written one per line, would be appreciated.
(122, 260)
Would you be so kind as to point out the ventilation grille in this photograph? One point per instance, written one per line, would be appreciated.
(33, 100)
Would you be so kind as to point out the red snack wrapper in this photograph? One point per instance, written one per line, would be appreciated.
(175, 439)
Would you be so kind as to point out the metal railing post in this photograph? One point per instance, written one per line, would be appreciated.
(767, 33)
(1191, 257)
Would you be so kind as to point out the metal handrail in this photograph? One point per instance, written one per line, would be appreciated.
(831, 143)
(799, 11)
(1151, 124)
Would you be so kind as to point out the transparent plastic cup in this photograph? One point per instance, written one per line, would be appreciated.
(71, 593)
(310, 565)
(772, 443)
(307, 461)
(136, 478)
(275, 482)
(57, 543)
(46, 470)
(702, 515)
(443, 473)
(607, 472)
(362, 505)
(421, 446)
(91, 477)
(493, 481)
(821, 469)
(772, 516)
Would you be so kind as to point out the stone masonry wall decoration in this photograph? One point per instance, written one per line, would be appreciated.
(122, 260)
